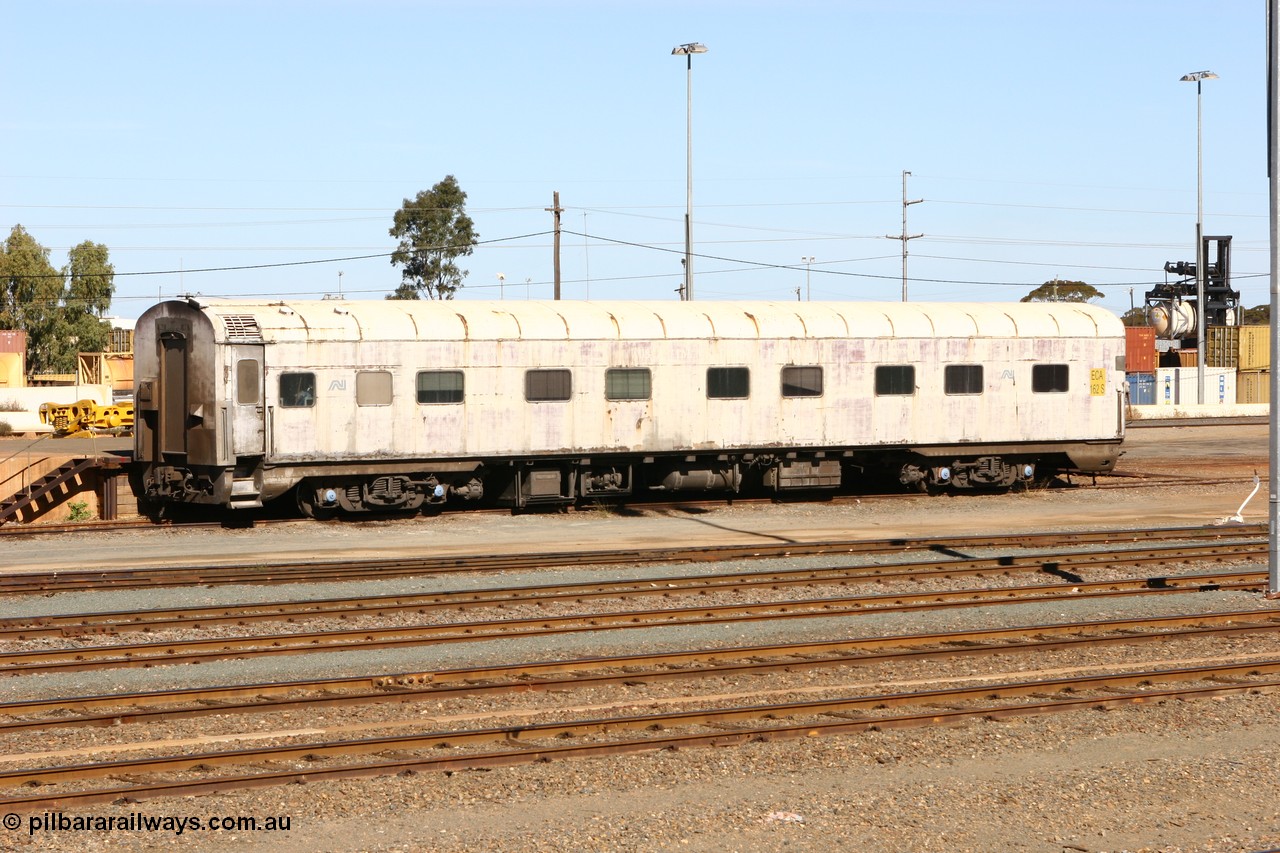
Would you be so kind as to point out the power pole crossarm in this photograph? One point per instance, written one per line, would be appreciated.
(904, 236)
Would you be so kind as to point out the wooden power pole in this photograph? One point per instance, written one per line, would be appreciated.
(556, 210)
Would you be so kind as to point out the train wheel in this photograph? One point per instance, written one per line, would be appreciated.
(148, 507)
(151, 509)
(309, 508)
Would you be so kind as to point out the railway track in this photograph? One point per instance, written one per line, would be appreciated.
(263, 573)
(718, 726)
(185, 651)
(562, 726)
(726, 662)
(1112, 480)
(1059, 564)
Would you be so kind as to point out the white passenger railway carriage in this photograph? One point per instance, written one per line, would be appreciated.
(393, 404)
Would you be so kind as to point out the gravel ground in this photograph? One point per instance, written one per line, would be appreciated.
(1174, 777)
(1171, 776)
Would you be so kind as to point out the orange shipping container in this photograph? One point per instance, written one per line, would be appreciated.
(1139, 349)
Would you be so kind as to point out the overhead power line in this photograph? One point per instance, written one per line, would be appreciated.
(290, 263)
(740, 264)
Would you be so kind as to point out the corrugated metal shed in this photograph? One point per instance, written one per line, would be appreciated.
(468, 320)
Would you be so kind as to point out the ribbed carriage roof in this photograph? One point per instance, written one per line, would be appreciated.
(542, 320)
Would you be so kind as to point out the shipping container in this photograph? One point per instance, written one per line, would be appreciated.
(1139, 349)
(1222, 346)
(11, 371)
(13, 340)
(1142, 388)
(1241, 347)
(1253, 386)
(1187, 357)
(1179, 386)
(1255, 348)
(121, 340)
(105, 368)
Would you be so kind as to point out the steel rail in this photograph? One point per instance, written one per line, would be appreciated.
(595, 728)
(259, 572)
(191, 651)
(138, 708)
(122, 525)
(1095, 481)
(160, 619)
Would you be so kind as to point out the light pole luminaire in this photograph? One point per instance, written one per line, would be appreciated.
(1198, 77)
(687, 51)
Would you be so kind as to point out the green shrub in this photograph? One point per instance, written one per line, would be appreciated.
(79, 511)
(6, 428)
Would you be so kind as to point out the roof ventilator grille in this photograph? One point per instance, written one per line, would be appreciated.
(242, 327)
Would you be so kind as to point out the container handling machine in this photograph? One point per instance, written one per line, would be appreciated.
(1171, 307)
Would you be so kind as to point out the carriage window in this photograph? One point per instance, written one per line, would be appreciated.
(802, 381)
(895, 380)
(439, 386)
(962, 379)
(728, 383)
(627, 383)
(373, 388)
(247, 382)
(297, 390)
(543, 386)
(1049, 378)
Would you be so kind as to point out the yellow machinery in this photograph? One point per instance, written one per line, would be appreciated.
(87, 418)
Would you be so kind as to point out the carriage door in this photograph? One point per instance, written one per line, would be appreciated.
(171, 432)
(248, 401)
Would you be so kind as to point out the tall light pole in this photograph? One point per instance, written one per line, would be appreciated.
(808, 263)
(687, 51)
(1198, 77)
(1274, 192)
(1273, 181)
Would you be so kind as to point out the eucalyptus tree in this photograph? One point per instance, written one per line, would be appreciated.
(60, 310)
(1059, 290)
(434, 230)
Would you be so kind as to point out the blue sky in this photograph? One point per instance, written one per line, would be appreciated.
(1048, 140)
